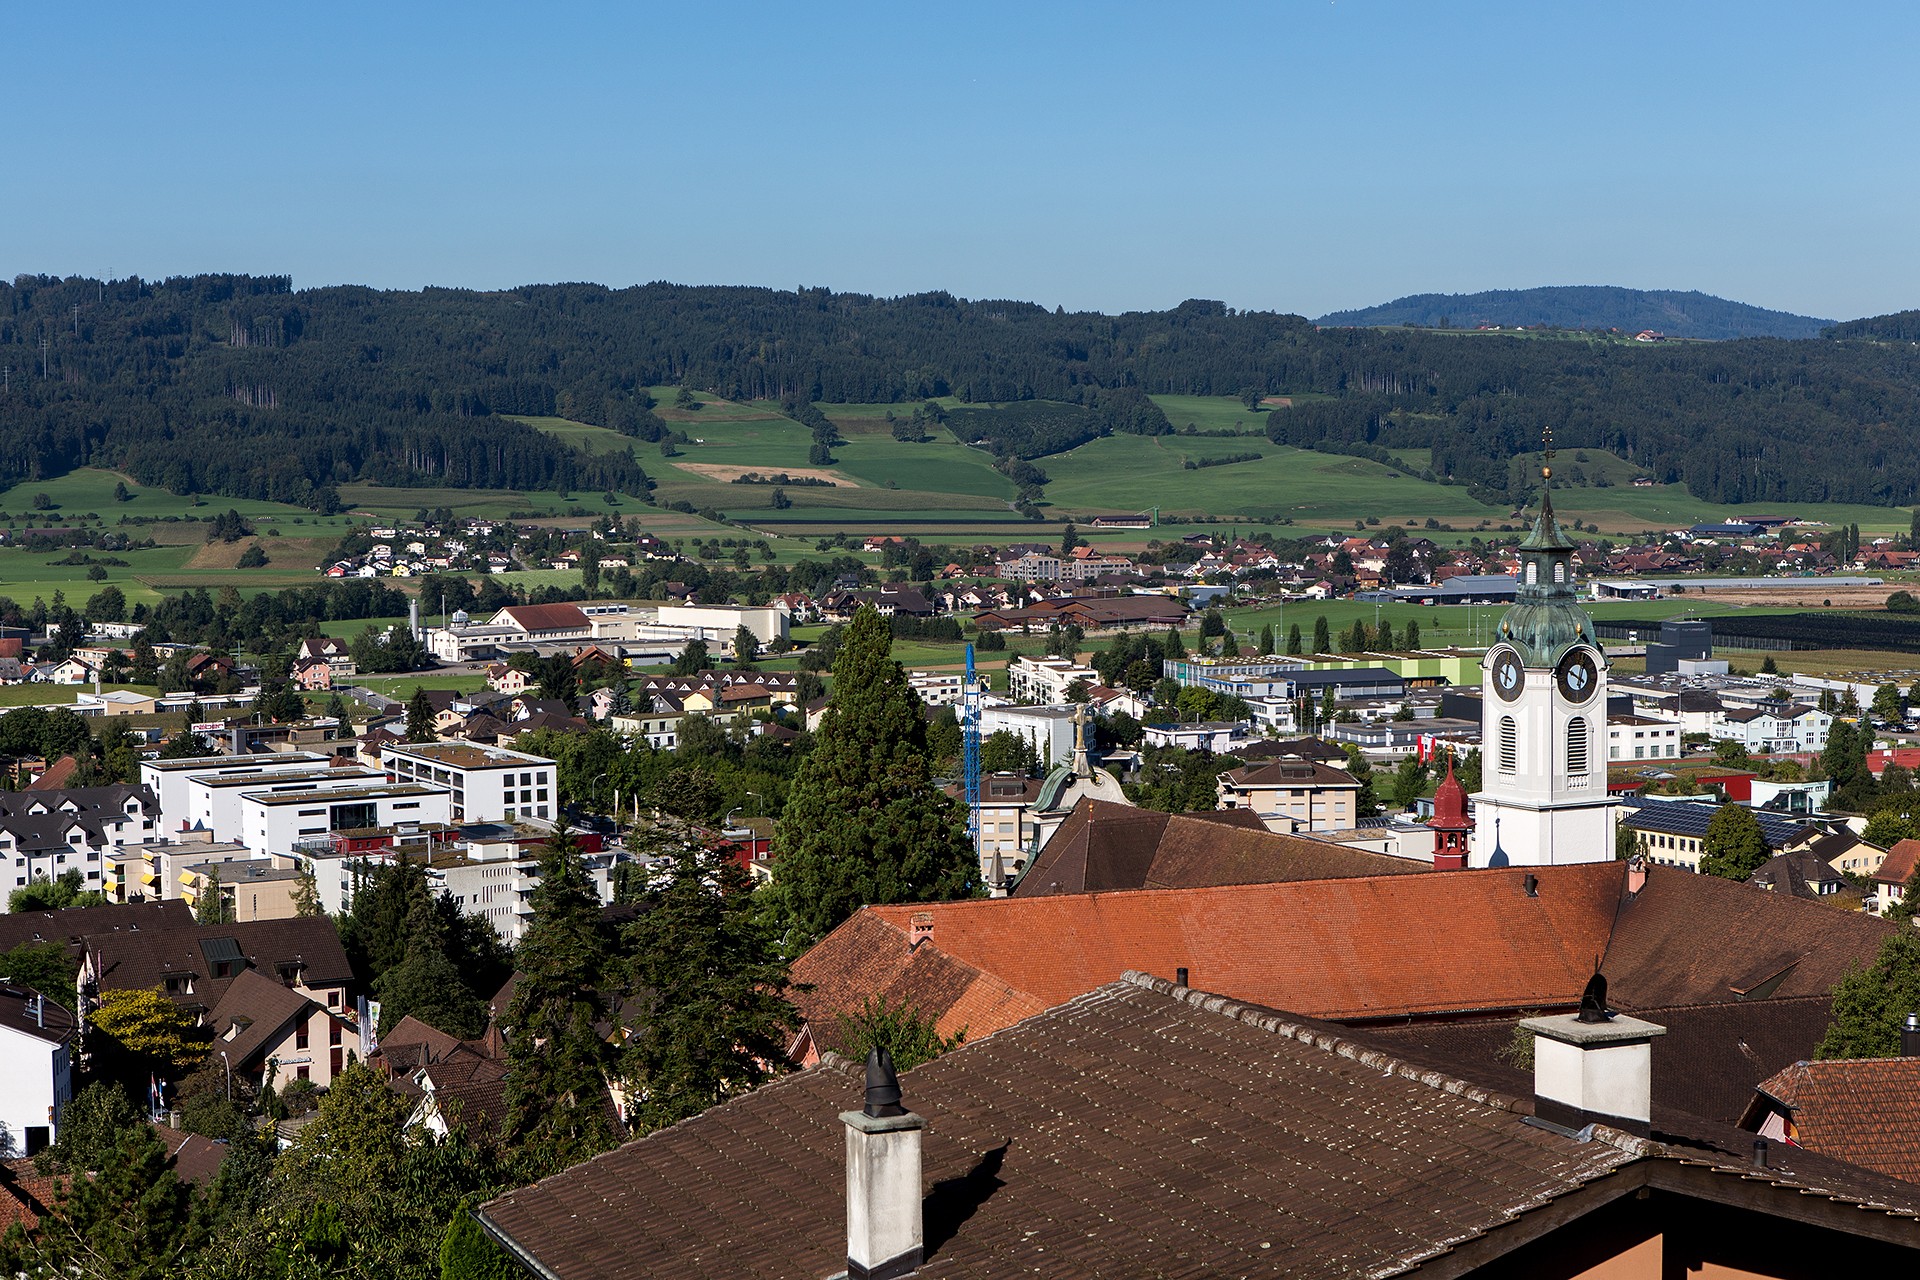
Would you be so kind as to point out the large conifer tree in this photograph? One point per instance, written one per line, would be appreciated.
(558, 1062)
(864, 822)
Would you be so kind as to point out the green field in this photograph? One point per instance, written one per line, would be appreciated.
(88, 491)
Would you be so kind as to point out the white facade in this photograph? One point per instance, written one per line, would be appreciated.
(169, 779)
(495, 880)
(1642, 738)
(272, 822)
(937, 688)
(489, 784)
(1544, 798)
(36, 1071)
(212, 801)
(716, 623)
(1774, 729)
(1046, 680)
(1049, 729)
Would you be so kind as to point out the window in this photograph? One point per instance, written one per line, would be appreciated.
(1509, 745)
(1559, 573)
(1533, 574)
(1577, 745)
(300, 1037)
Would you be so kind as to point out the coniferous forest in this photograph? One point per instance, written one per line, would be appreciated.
(243, 386)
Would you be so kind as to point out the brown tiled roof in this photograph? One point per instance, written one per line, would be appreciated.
(1862, 1110)
(873, 961)
(1137, 1130)
(132, 961)
(56, 776)
(195, 1159)
(22, 1010)
(24, 1195)
(256, 1010)
(1706, 1065)
(1696, 939)
(1290, 771)
(71, 924)
(547, 617)
(1899, 864)
(1104, 846)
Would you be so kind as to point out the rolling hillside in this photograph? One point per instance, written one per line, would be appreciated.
(1675, 314)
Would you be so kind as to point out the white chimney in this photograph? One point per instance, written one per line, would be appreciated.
(885, 1232)
(1594, 1066)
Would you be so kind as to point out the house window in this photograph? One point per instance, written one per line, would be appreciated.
(300, 1038)
(1509, 745)
(1577, 745)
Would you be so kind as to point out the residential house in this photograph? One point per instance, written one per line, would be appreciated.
(1046, 681)
(1782, 728)
(1894, 875)
(502, 678)
(1292, 796)
(194, 965)
(259, 1021)
(36, 1068)
(312, 675)
(45, 833)
(1673, 833)
(1631, 737)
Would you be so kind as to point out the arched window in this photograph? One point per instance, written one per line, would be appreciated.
(1577, 745)
(1533, 574)
(1509, 745)
(1559, 572)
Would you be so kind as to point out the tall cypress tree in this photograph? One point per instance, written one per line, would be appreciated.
(1322, 635)
(557, 1061)
(420, 717)
(864, 822)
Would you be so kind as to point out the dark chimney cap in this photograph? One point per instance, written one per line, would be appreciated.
(1760, 1147)
(1593, 1001)
(883, 1085)
(1180, 976)
(1531, 883)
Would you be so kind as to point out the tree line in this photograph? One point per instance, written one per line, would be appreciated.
(403, 388)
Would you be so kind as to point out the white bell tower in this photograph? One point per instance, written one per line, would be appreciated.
(1543, 721)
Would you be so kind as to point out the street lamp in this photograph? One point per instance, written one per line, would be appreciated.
(726, 823)
(225, 1059)
(756, 807)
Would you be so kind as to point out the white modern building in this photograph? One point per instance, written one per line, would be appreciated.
(1544, 800)
(36, 1069)
(489, 784)
(937, 688)
(276, 821)
(1642, 738)
(1775, 727)
(168, 779)
(1049, 729)
(1046, 681)
(211, 802)
(494, 876)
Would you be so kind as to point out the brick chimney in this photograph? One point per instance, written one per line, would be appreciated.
(885, 1230)
(1910, 1036)
(1594, 1066)
(919, 928)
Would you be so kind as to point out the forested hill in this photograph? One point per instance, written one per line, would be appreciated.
(1677, 315)
(1901, 326)
(244, 386)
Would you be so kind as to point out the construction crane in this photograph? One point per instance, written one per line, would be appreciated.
(970, 748)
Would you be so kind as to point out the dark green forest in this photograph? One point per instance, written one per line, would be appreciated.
(243, 386)
(1677, 315)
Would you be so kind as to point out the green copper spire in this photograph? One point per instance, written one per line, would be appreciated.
(1546, 619)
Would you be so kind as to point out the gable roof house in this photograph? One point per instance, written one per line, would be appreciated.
(196, 964)
(1143, 1128)
(36, 1067)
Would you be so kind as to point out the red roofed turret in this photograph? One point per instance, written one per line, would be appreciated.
(1450, 823)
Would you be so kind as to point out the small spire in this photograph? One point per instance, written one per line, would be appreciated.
(883, 1085)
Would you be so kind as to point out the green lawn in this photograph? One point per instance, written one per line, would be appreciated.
(89, 491)
(1134, 473)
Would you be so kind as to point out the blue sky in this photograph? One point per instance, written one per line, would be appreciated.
(1288, 156)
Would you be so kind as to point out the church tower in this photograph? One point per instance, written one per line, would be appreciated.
(1543, 720)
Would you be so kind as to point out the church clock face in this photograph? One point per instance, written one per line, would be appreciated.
(1577, 676)
(1509, 677)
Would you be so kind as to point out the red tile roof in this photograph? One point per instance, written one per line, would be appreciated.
(1353, 950)
(546, 617)
(1898, 867)
(1862, 1110)
(1370, 947)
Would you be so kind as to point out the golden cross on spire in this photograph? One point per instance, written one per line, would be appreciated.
(1546, 463)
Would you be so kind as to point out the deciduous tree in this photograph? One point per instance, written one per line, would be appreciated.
(1734, 847)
